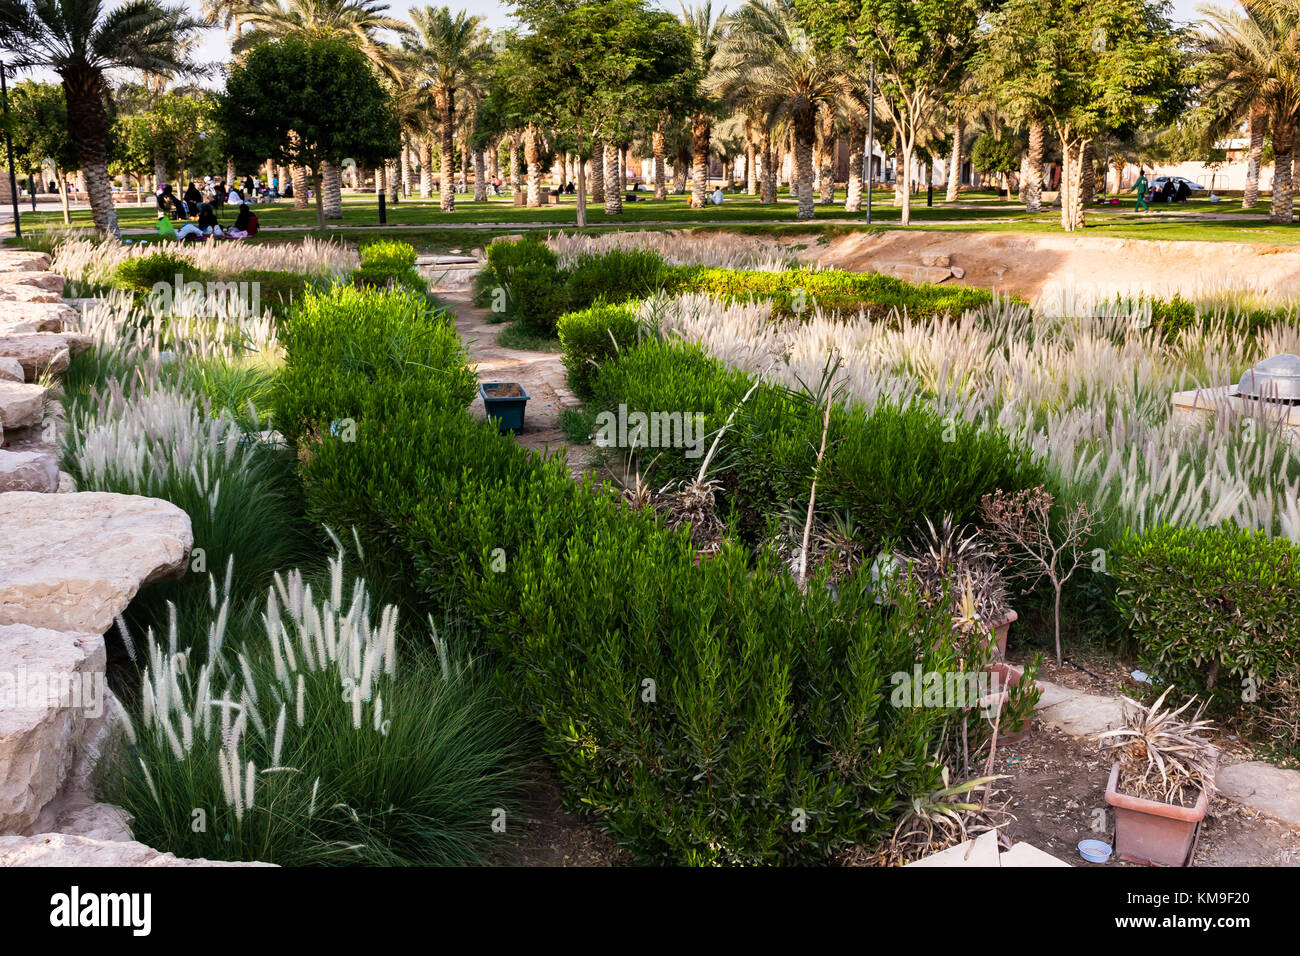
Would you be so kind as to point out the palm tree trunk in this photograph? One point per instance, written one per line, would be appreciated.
(394, 179)
(700, 130)
(332, 186)
(159, 169)
(231, 173)
(320, 199)
(426, 166)
(580, 174)
(83, 90)
(751, 155)
(1283, 144)
(1088, 175)
(299, 176)
(805, 137)
(1073, 210)
(1258, 123)
(1034, 169)
(857, 147)
(534, 166)
(768, 177)
(516, 186)
(598, 172)
(828, 154)
(480, 176)
(955, 160)
(613, 193)
(381, 179)
(679, 176)
(446, 103)
(657, 144)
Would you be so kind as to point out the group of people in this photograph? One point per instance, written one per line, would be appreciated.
(1171, 190)
(203, 203)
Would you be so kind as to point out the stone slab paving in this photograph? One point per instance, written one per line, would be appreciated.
(61, 849)
(1272, 791)
(984, 851)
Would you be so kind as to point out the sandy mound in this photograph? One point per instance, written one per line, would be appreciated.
(1035, 266)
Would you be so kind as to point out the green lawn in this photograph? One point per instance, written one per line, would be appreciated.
(426, 227)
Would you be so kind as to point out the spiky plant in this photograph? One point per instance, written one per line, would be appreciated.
(1162, 755)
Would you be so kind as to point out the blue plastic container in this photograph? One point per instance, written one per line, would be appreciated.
(508, 410)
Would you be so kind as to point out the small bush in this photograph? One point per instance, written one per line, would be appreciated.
(139, 274)
(591, 337)
(615, 276)
(386, 262)
(1213, 610)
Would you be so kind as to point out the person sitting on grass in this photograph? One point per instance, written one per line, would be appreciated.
(165, 228)
(245, 224)
(716, 198)
(208, 224)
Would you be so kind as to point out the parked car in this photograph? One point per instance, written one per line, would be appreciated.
(1160, 189)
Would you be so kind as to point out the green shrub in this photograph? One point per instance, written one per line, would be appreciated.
(344, 343)
(386, 262)
(538, 296)
(278, 291)
(798, 291)
(1212, 609)
(706, 710)
(616, 276)
(577, 425)
(139, 274)
(591, 337)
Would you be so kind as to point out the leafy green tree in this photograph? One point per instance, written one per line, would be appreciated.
(920, 48)
(80, 40)
(38, 124)
(1086, 66)
(588, 66)
(996, 154)
(307, 102)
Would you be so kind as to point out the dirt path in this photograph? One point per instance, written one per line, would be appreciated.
(540, 373)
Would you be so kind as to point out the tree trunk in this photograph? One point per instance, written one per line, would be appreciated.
(61, 178)
(426, 166)
(598, 172)
(581, 188)
(1034, 169)
(394, 179)
(955, 160)
(1283, 143)
(700, 131)
(613, 193)
(1088, 175)
(857, 147)
(480, 177)
(159, 169)
(83, 90)
(905, 215)
(657, 142)
(828, 154)
(534, 166)
(621, 156)
(516, 184)
(231, 173)
(1258, 125)
(769, 172)
(381, 179)
(445, 98)
(320, 199)
(679, 177)
(299, 177)
(805, 131)
(332, 186)
(1073, 210)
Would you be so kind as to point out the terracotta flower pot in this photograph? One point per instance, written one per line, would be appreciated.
(1000, 631)
(1008, 675)
(1154, 833)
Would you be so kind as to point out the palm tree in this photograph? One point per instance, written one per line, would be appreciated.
(80, 40)
(768, 52)
(1251, 67)
(706, 35)
(451, 50)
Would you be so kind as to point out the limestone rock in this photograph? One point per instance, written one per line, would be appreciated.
(21, 405)
(19, 260)
(11, 370)
(58, 849)
(40, 279)
(42, 352)
(72, 562)
(1272, 791)
(81, 817)
(19, 318)
(28, 471)
(936, 260)
(51, 686)
(67, 484)
(958, 272)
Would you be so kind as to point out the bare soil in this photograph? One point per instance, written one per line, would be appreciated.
(548, 835)
(1030, 265)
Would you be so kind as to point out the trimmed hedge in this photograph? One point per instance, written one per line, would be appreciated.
(1212, 608)
(591, 337)
(892, 466)
(709, 711)
(387, 262)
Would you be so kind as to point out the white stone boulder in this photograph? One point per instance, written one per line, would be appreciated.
(21, 405)
(72, 562)
(43, 352)
(20, 318)
(11, 370)
(58, 849)
(18, 260)
(52, 688)
(28, 471)
(33, 278)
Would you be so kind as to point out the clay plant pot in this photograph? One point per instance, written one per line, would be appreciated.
(1008, 675)
(1000, 631)
(1153, 833)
